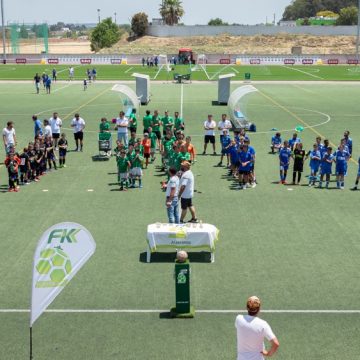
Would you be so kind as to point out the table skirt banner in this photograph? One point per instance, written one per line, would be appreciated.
(177, 236)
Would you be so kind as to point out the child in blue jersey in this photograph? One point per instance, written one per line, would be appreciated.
(315, 160)
(252, 176)
(293, 141)
(284, 157)
(319, 144)
(323, 149)
(233, 152)
(341, 157)
(348, 141)
(276, 142)
(225, 145)
(326, 163)
(245, 160)
(357, 177)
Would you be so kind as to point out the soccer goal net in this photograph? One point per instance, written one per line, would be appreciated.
(201, 63)
(163, 65)
(237, 106)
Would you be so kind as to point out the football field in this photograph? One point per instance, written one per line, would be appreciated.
(295, 247)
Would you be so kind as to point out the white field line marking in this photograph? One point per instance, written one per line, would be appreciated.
(304, 72)
(149, 311)
(128, 70)
(63, 87)
(219, 72)
(234, 70)
(67, 69)
(181, 100)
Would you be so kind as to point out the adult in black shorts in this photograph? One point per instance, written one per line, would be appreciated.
(209, 127)
(299, 158)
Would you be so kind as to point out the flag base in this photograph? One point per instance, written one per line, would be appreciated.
(189, 315)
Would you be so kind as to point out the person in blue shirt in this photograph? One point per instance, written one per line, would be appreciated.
(293, 141)
(252, 176)
(233, 152)
(276, 142)
(342, 156)
(94, 74)
(245, 159)
(284, 157)
(323, 149)
(325, 168)
(319, 144)
(315, 159)
(357, 177)
(37, 126)
(348, 141)
(225, 145)
(48, 85)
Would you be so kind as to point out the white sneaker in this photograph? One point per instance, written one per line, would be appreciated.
(253, 185)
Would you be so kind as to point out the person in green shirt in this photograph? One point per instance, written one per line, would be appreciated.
(132, 140)
(155, 124)
(133, 121)
(123, 164)
(104, 125)
(136, 161)
(178, 122)
(183, 154)
(153, 140)
(167, 122)
(147, 119)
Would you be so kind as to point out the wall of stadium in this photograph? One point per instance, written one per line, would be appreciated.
(205, 30)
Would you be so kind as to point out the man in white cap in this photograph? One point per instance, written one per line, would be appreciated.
(251, 332)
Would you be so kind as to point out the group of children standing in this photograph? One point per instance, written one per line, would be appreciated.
(35, 160)
(321, 158)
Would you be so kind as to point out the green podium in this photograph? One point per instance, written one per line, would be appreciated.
(183, 308)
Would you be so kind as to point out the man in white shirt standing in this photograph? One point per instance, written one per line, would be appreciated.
(55, 123)
(224, 124)
(251, 332)
(122, 123)
(172, 200)
(9, 136)
(209, 127)
(78, 124)
(186, 192)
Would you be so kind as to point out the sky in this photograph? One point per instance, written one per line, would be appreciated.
(196, 11)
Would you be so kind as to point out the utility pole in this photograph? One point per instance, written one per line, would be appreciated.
(115, 17)
(3, 29)
(98, 10)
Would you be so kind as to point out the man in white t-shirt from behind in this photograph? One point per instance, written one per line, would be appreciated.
(9, 136)
(209, 127)
(186, 192)
(55, 123)
(251, 332)
(172, 201)
(78, 124)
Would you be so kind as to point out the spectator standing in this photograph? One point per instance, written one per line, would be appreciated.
(122, 123)
(172, 200)
(78, 124)
(251, 332)
(56, 124)
(47, 129)
(37, 80)
(186, 192)
(37, 126)
(224, 124)
(9, 136)
(209, 127)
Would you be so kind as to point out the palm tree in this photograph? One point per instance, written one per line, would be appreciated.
(171, 11)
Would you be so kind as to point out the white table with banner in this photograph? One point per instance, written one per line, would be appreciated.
(192, 236)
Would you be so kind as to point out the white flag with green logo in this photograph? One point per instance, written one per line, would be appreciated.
(61, 252)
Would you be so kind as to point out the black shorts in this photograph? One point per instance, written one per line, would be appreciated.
(209, 138)
(78, 135)
(186, 203)
(244, 172)
(158, 134)
(56, 135)
(62, 152)
(132, 129)
(298, 167)
(147, 155)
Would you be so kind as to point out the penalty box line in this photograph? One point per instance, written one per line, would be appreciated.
(149, 311)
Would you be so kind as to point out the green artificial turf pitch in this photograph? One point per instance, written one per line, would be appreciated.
(124, 72)
(295, 247)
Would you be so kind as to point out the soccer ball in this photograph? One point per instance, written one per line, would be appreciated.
(181, 256)
(54, 265)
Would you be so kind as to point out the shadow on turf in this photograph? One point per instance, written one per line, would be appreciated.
(199, 257)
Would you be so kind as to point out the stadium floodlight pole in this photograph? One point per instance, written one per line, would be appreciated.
(98, 10)
(358, 33)
(3, 30)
